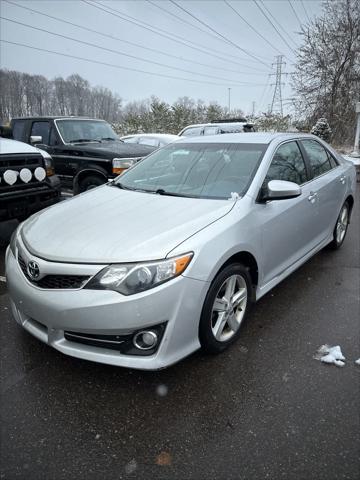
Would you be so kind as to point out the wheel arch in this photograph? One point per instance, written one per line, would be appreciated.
(249, 261)
(85, 172)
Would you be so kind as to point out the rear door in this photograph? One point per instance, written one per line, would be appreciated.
(328, 182)
(288, 226)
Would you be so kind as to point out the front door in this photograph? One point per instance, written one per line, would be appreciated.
(288, 226)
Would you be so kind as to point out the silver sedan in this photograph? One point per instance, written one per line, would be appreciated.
(171, 256)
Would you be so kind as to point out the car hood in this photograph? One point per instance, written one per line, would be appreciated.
(112, 149)
(110, 225)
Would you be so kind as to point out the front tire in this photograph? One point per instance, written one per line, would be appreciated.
(92, 181)
(341, 227)
(225, 309)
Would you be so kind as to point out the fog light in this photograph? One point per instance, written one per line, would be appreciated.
(145, 340)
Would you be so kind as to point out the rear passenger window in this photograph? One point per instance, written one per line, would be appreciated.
(318, 157)
(18, 130)
(287, 164)
(41, 129)
(193, 131)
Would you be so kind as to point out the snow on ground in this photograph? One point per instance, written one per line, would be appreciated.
(357, 361)
(330, 355)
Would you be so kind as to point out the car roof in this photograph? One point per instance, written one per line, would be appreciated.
(247, 137)
(154, 135)
(214, 124)
(58, 117)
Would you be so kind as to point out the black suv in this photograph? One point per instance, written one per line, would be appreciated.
(86, 152)
(27, 180)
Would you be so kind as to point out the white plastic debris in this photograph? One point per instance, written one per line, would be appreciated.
(357, 361)
(234, 196)
(331, 355)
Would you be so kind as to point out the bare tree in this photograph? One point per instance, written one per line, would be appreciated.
(327, 73)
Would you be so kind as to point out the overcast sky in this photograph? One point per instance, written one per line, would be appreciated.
(241, 59)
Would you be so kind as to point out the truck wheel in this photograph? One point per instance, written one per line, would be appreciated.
(92, 181)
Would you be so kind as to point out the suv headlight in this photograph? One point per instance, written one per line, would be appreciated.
(133, 278)
(48, 161)
(121, 164)
(49, 167)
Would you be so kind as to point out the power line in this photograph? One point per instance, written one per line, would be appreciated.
(167, 35)
(94, 45)
(294, 11)
(277, 31)
(218, 33)
(121, 67)
(163, 9)
(249, 25)
(307, 16)
(112, 37)
(278, 23)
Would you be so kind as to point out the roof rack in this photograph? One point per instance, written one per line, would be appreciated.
(230, 120)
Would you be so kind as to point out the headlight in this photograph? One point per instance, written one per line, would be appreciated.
(133, 278)
(49, 166)
(121, 164)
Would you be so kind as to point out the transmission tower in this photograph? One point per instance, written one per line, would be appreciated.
(277, 103)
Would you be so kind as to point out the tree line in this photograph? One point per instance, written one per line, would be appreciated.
(326, 83)
(22, 94)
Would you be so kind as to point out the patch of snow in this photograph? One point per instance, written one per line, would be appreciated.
(330, 355)
(357, 361)
(162, 390)
(234, 196)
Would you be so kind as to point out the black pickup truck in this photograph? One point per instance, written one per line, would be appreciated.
(86, 152)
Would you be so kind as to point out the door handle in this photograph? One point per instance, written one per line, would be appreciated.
(312, 197)
(343, 179)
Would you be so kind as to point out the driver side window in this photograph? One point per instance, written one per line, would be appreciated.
(287, 164)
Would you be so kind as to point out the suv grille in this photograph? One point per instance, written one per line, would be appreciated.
(17, 162)
(54, 281)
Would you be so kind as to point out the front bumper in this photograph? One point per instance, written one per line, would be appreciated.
(47, 314)
(20, 203)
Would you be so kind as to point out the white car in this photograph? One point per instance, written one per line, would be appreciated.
(152, 139)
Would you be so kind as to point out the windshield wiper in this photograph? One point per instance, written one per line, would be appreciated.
(80, 140)
(109, 138)
(161, 191)
(125, 187)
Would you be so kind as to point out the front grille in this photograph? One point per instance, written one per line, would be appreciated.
(112, 342)
(61, 282)
(17, 162)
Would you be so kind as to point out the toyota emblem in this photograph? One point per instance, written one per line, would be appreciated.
(33, 270)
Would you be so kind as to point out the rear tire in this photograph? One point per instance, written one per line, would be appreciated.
(341, 227)
(225, 309)
(92, 181)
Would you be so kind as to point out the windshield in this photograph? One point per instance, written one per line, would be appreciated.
(85, 130)
(196, 170)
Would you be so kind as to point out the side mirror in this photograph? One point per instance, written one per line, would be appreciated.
(281, 190)
(35, 139)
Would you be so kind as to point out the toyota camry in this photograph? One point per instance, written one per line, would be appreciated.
(170, 256)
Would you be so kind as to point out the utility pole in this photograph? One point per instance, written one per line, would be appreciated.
(277, 103)
(253, 110)
(229, 90)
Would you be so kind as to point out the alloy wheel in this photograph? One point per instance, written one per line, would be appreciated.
(229, 308)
